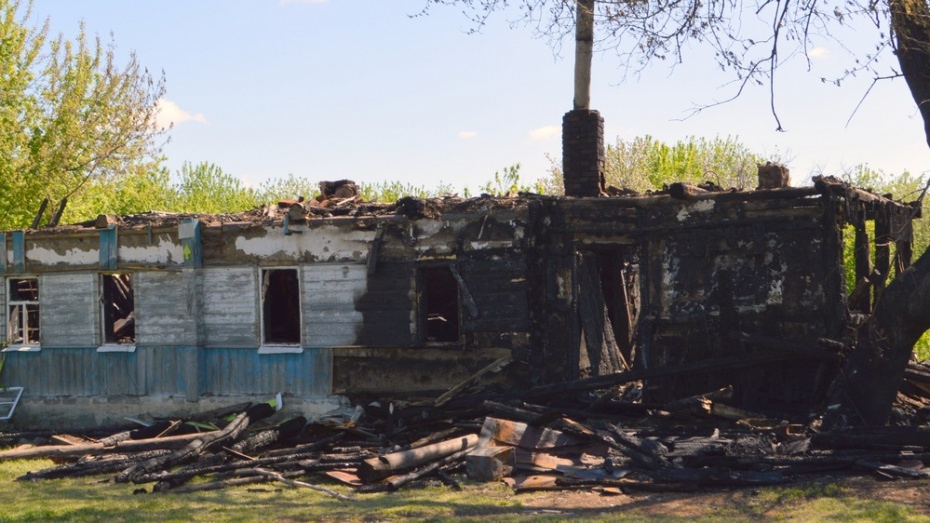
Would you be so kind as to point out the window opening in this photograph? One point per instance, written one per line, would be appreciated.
(23, 311)
(441, 304)
(280, 306)
(118, 301)
(620, 280)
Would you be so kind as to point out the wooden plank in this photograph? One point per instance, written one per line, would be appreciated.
(863, 263)
(69, 309)
(603, 353)
(489, 463)
(382, 466)
(882, 250)
(520, 434)
(109, 248)
(39, 213)
(493, 367)
(328, 303)
(230, 307)
(167, 311)
(19, 252)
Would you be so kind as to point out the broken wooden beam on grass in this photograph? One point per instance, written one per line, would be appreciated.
(490, 463)
(377, 468)
(192, 449)
(395, 482)
(74, 451)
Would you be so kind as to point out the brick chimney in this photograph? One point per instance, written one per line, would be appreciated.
(583, 152)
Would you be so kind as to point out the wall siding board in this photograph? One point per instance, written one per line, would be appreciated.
(5, 285)
(230, 307)
(237, 371)
(68, 310)
(388, 306)
(166, 308)
(73, 372)
(164, 366)
(328, 303)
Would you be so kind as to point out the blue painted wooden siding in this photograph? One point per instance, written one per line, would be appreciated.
(73, 372)
(109, 248)
(168, 371)
(238, 371)
(19, 252)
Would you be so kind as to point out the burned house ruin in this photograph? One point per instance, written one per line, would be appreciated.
(161, 313)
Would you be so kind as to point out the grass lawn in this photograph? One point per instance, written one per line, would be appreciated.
(99, 499)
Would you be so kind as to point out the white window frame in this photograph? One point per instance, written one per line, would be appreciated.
(104, 345)
(279, 347)
(22, 347)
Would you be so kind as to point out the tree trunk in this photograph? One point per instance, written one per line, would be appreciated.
(910, 21)
(873, 372)
(584, 51)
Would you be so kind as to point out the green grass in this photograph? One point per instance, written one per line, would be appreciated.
(99, 499)
(816, 502)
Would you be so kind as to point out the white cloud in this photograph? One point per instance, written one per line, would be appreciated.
(818, 52)
(467, 134)
(171, 113)
(545, 132)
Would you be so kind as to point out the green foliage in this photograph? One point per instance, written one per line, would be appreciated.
(70, 116)
(205, 188)
(293, 187)
(645, 164)
(904, 187)
(144, 188)
(508, 183)
(392, 191)
(290, 188)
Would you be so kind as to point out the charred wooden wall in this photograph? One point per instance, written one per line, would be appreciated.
(767, 263)
(392, 353)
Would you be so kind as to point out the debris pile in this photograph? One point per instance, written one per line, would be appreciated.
(605, 439)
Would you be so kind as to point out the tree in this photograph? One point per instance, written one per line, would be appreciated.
(206, 188)
(750, 40)
(70, 115)
(142, 189)
(646, 164)
(753, 50)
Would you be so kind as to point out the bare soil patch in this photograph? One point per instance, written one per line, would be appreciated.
(771, 502)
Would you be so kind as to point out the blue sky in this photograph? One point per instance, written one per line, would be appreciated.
(358, 89)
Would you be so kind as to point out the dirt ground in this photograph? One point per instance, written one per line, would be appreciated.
(770, 502)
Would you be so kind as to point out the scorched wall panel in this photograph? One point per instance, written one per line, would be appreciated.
(328, 302)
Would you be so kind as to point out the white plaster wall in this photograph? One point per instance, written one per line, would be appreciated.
(75, 256)
(163, 251)
(326, 243)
